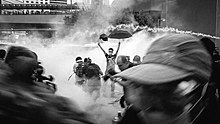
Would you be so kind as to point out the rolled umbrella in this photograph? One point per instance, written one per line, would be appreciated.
(103, 37)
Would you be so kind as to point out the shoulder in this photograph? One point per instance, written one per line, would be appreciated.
(106, 54)
(75, 64)
(131, 64)
(95, 65)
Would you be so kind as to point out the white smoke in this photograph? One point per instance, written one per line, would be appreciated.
(58, 60)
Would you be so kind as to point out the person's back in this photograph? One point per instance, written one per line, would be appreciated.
(92, 70)
(93, 81)
(170, 83)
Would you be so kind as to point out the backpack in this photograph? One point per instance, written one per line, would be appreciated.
(79, 69)
(92, 70)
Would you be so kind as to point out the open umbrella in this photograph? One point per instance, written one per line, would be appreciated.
(119, 34)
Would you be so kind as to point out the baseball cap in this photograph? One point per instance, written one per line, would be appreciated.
(170, 58)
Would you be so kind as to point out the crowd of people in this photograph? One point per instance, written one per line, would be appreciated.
(88, 74)
(174, 83)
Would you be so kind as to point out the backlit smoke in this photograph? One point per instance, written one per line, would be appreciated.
(58, 56)
(58, 59)
(164, 29)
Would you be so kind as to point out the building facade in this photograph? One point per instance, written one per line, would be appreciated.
(36, 1)
(58, 1)
(12, 1)
(33, 1)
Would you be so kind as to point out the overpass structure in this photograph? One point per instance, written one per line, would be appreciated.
(35, 13)
(34, 17)
(40, 6)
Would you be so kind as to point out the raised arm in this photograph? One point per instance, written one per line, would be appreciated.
(101, 48)
(119, 44)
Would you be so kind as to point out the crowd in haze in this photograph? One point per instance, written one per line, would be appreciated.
(174, 83)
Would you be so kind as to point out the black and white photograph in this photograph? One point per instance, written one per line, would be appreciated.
(109, 61)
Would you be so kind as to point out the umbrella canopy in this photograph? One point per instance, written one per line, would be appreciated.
(119, 34)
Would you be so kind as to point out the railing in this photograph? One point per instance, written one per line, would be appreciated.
(36, 12)
(39, 6)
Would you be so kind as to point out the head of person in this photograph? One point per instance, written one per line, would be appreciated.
(22, 61)
(137, 59)
(40, 70)
(78, 59)
(122, 62)
(87, 61)
(110, 51)
(173, 65)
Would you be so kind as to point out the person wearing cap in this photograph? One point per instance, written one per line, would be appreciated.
(137, 60)
(130, 115)
(169, 85)
(123, 64)
(78, 70)
(213, 86)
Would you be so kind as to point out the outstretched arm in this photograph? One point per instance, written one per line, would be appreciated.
(119, 44)
(101, 48)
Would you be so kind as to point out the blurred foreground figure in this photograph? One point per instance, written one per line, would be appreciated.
(42, 80)
(170, 84)
(23, 102)
(213, 86)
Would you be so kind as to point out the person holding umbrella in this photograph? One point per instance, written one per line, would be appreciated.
(110, 68)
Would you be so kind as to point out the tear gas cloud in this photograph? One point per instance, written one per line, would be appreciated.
(59, 56)
(58, 60)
